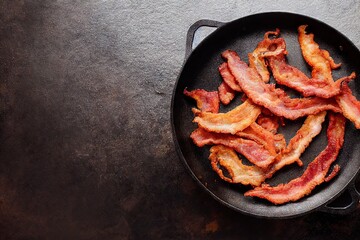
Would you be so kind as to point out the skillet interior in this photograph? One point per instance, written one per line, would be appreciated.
(200, 71)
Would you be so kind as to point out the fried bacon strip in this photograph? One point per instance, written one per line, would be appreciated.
(228, 78)
(206, 101)
(272, 142)
(292, 77)
(349, 105)
(226, 94)
(231, 122)
(314, 174)
(274, 99)
(322, 63)
(266, 47)
(254, 152)
(303, 137)
(318, 59)
(226, 158)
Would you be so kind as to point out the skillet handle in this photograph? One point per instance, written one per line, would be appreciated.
(342, 210)
(193, 28)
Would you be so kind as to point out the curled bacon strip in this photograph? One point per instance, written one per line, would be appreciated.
(221, 156)
(254, 152)
(314, 174)
(318, 59)
(349, 105)
(231, 122)
(226, 94)
(266, 47)
(301, 140)
(206, 101)
(228, 77)
(226, 158)
(322, 63)
(292, 77)
(274, 99)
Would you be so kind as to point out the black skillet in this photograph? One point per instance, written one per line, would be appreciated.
(200, 71)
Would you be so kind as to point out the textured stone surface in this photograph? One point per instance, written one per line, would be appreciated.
(86, 150)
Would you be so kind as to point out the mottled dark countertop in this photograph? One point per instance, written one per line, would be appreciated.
(86, 149)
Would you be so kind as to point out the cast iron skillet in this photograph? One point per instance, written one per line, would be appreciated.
(200, 71)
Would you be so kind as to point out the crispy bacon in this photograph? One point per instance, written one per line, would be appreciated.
(245, 131)
(322, 63)
(318, 59)
(266, 47)
(226, 94)
(254, 152)
(350, 105)
(301, 140)
(292, 77)
(228, 77)
(240, 173)
(206, 101)
(314, 174)
(222, 157)
(274, 99)
(272, 142)
(231, 122)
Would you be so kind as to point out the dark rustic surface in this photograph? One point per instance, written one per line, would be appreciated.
(86, 150)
